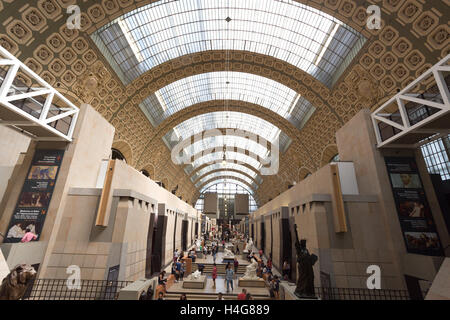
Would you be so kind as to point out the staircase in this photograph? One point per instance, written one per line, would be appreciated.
(220, 268)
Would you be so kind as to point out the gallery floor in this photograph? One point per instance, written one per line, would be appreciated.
(209, 292)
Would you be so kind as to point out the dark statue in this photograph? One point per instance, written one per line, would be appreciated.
(305, 262)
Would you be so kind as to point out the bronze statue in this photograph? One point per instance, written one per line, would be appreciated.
(305, 262)
(15, 284)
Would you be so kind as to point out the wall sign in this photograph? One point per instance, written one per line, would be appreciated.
(34, 199)
(414, 212)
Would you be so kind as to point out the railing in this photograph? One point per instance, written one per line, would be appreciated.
(26, 100)
(414, 109)
(361, 294)
(57, 289)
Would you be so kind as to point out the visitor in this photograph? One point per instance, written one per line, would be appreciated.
(237, 250)
(183, 269)
(214, 254)
(175, 255)
(229, 277)
(177, 270)
(183, 296)
(214, 274)
(249, 296)
(277, 287)
(272, 289)
(220, 296)
(147, 295)
(236, 265)
(161, 296)
(242, 295)
(28, 236)
(161, 280)
(286, 269)
(201, 267)
(269, 264)
(261, 253)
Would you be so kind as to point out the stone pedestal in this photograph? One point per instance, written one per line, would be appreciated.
(199, 283)
(229, 259)
(258, 283)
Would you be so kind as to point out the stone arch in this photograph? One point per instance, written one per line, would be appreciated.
(125, 149)
(328, 153)
(165, 183)
(219, 161)
(225, 170)
(228, 149)
(150, 168)
(303, 172)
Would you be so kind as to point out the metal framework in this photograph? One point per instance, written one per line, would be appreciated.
(37, 107)
(301, 35)
(413, 117)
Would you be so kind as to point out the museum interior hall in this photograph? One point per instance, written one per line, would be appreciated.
(235, 149)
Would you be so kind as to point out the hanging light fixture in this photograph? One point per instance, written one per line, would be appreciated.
(224, 159)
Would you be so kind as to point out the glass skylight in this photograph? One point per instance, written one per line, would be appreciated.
(230, 156)
(164, 30)
(228, 119)
(227, 189)
(217, 144)
(234, 166)
(224, 173)
(226, 85)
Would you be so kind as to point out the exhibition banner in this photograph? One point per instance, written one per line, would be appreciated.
(34, 199)
(416, 219)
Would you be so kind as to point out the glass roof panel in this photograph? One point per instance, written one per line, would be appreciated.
(163, 30)
(227, 85)
(229, 141)
(224, 173)
(217, 166)
(225, 185)
(230, 156)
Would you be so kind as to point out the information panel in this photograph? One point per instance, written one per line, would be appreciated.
(34, 199)
(416, 220)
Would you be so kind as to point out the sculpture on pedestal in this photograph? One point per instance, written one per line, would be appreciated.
(195, 275)
(249, 245)
(198, 244)
(228, 253)
(250, 271)
(305, 262)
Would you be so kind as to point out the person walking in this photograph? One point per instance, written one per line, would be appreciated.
(214, 274)
(229, 277)
(236, 265)
(214, 254)
(286, 269)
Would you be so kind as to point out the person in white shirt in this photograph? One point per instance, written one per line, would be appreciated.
(16, 231)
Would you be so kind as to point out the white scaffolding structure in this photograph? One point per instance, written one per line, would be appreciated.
(410, 118)
(35, 108)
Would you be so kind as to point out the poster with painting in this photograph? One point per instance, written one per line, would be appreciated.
(414, 213)
(34, 199)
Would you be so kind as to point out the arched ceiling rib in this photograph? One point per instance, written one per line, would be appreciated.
(227, 85)
(228, 172)
(204, 170)
(218, 164)
(158, 32)
(228, 178)
(233, 155)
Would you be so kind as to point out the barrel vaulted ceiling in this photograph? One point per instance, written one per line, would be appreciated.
(166, 64)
